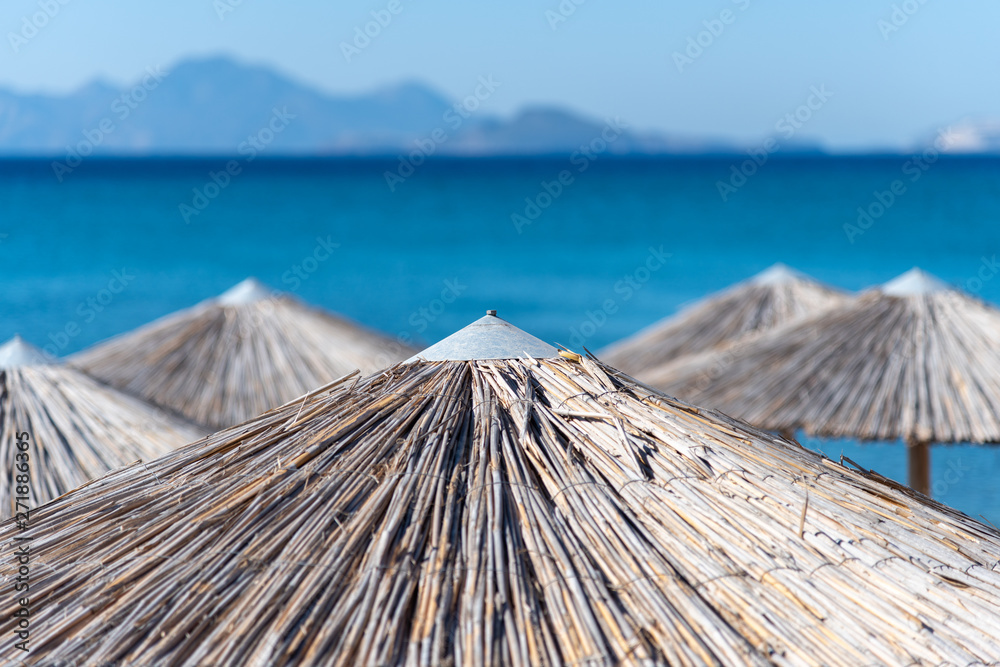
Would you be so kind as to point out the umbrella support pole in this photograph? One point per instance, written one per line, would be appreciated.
(918, 455)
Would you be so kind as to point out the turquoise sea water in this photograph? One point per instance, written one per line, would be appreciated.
(110, 247)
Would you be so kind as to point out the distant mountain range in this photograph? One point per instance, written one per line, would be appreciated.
(215, 106)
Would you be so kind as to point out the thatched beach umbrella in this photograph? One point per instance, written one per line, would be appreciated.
(502, 504)
(913, 359)
(234, 356)
(77, 428)
(765, 301)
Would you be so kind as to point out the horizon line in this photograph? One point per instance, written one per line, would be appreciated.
(382, 156)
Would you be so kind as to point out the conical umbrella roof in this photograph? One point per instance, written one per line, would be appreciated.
(498, 510)
(765, 301)
(77, 428)
(234, 356)
(913, 359)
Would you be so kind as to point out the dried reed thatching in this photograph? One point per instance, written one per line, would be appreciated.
(769, 299)
(78, 429)
(913, 360)
(231, 358)
(503, 511)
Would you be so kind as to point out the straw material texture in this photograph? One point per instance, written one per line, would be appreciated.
(748, 308)
(78, 429)
(536, 512)
(220, 364)
(922, 367)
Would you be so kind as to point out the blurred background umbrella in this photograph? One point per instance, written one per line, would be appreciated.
(912, 359)
(232, 357)
(765, 301)
(78, 429)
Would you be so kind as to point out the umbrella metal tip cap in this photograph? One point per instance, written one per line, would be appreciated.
(17, 352)
(914, 282)
(487, 338)
(778, 274)
(250, 290)
(491, 313)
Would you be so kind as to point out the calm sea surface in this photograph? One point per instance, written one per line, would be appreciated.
(118, 243)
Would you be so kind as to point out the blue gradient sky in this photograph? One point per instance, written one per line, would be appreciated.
(606, 59)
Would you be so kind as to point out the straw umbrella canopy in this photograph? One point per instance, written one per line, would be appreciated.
(234, 356)
(501, 503)
(765, 301)
(77, 429)
(913, 359)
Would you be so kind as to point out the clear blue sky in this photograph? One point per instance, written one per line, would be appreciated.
(607, 58)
